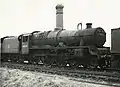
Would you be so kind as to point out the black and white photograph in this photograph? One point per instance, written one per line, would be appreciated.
(59, 43)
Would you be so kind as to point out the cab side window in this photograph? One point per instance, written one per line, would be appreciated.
(25, 38)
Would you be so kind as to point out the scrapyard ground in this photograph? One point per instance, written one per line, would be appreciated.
(18, 78)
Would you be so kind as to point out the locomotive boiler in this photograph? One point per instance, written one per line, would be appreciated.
(86, 37)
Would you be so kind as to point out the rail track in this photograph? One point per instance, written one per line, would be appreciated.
(80, 75)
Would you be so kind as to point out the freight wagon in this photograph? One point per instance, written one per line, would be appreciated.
(115, 47)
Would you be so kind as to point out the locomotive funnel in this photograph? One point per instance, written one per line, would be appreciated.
(59, 16)
(88, 25)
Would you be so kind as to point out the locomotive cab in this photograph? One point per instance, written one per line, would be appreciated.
(25, 43)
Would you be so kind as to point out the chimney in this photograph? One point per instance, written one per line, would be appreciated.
(88, 25)
(59, 16)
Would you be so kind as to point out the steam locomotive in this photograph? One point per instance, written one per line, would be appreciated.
(61, 47)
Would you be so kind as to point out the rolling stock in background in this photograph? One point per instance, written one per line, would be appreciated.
(62, 47)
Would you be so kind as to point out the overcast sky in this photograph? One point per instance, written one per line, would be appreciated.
(25, 16)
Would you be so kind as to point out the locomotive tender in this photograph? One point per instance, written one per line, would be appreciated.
(59, 47)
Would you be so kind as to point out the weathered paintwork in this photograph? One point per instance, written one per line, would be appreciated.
(93, 36)
(90, 36)
(10, 45)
